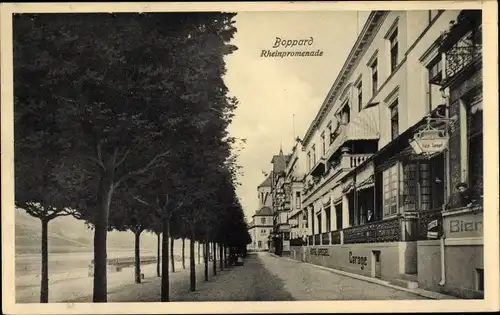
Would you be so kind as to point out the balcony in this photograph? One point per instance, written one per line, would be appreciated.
(377, 232)
(462, 44)
(347, 162)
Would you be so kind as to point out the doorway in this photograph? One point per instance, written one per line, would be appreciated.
(376, 264)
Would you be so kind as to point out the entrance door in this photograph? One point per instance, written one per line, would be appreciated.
(376, 270)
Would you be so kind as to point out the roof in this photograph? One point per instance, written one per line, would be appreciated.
(266, 182)
(264, 211)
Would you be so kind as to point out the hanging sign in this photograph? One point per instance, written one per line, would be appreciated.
(429, 141)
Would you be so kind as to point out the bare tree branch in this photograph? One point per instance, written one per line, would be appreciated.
(122, 159)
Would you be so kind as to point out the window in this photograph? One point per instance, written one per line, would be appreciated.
(390, 184)
(394, 49)
(329, 136)
(323, 143)
(319, 224)
(346, 114)
(434, 77)
(423, 184)
(309, 160)
(260, 244)
(313, 148)
(394, 119)
(263, 220)
(374, 69)
(360, 95)
(475, 142)
(297, 199)
(327, 218)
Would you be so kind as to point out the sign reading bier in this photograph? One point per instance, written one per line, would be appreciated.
(463, 225)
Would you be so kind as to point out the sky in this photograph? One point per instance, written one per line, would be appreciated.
(279, 97)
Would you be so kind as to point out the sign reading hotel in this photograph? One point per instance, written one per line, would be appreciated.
(429, 141)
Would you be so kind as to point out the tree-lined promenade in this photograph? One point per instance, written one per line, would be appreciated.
(121, 121)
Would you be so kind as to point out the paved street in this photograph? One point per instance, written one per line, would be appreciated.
(262, 278)
(268, 278)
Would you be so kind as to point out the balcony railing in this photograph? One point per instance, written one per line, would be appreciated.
(317, 239)
(347, 161)
(377, 232)
(325, 238)
(335, 237)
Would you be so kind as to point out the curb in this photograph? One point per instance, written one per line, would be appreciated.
(420, 292)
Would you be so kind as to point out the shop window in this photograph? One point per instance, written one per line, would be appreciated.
(328, 220)
(394, 119)
(338, 214)
(480, 280)
(423, 184)
(390, 184)
(475, 144)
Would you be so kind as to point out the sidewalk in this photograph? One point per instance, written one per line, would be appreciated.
(150, 288)
(420, 292)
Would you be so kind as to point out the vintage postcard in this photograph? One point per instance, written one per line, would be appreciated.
(249, 157)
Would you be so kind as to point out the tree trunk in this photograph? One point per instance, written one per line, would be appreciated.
(199, 247)
(138, 256)
(100, 239)
(44, 286)
(183, 251)
(172, 260)
(192, 267)
(214, 265)
(205, 257)
(221, 258)
(158, 249)
(164, 261)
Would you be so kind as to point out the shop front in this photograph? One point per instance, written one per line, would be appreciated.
(456, 263)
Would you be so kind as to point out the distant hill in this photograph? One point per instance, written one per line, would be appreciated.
(66, 234)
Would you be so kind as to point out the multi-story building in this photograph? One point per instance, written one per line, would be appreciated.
(262, 221)
(294, 177)
(260, 228)
(381, 177)
(280, 203)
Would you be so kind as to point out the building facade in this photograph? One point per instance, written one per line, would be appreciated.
(260, 228)
(394, 151)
